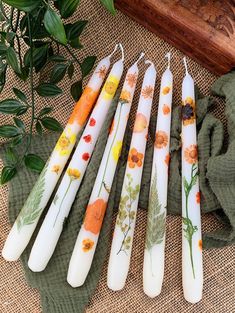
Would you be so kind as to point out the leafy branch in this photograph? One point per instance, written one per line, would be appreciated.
(190, 229)
(38, 25)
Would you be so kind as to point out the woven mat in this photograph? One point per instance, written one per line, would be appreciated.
(103, 32)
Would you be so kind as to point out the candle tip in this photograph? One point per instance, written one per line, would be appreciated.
(114, 50)
(140, 57)
(185, 65)
(168, 56)
(122, 51)
(149, 62)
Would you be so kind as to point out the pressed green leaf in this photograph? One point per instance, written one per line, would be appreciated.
(71, 70)
(54, 26)
(24, 5)
(58, 73)
(51, 123)
(109, 5)
(20, 95)
(8, 172)
(68, 7)
(34, 162)
(74, 30)
(57, 58)
(19, 123)
(48, 90)
(76, 90)
(12, 59)
(10, 106)
(8, 131)
(38, 127)
(45, 111)
(87, 65)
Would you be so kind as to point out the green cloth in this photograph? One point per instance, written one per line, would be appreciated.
(217, 184)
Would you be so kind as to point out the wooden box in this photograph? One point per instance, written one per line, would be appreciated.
(202, 29)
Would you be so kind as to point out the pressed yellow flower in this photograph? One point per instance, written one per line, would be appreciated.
(87, 244)
(65, 141)
(116, 150)
(56, 168)
(73, 173)
(166, 90)
(110, 87)
(125, 96)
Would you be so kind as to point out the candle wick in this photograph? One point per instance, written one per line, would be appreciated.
(168, 56)
(140, 57)
(122, 51)
(185, 65)
(149, 62)
(115, 49)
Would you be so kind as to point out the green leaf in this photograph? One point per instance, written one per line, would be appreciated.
(39, 56)
(57, 58)
(51, 123)
(22, 110)
(45, 111)
(68, 7)
(76, 90)
(109, 5)
(54, 26)
(24, 5)
(34, 162)
(19, 123)
(16, 141)
(8, 172)
(3, 49)
(75, 43)
(58, 73)
(74, 30)
(12, 59)
(87, 65)
(48, 90)
(20, 95)
(38, 127)
(24, 73)
(3, 69)
(71, 70)
(11, 157)
(8, 131)
(10, 106)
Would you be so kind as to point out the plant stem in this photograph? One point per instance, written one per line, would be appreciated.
(11, 18)
(73, 55)
(62, 202)
(17, 21)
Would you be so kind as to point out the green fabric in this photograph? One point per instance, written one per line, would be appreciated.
(217, 184)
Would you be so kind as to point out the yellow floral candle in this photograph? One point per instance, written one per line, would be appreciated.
(81, 259)
(29, 215)
(153, 269)
(52, 225)
(191, 217)
(125, 224)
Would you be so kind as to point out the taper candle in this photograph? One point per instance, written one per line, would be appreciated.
(153, 270)
(125, 223)
(52, 225)
(88, 236)
(36, 202)
(191, 217)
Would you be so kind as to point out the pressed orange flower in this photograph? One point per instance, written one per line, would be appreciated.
(125, 96)
(198, 197)
(166, 90)
(147, 92)
(161, 139)
(87, 244)
(94, 216)
(102, 71)
(135, 158)
(190, 154)
(166, 109)
(167, 159)
(73, 173)
(55, 169)
(131, 79)
(140, 123)
(83, 106)
(200, 244)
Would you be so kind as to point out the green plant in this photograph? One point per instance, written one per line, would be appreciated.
(40, 25)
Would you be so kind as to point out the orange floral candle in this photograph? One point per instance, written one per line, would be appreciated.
(28, 217)
(125, 224)
(52, 225)
(153, 269)
(81, 259)
(191, 217)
